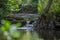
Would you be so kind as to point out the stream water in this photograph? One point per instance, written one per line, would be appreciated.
(25, 32)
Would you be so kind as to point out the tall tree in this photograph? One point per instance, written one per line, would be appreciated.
(41, 24)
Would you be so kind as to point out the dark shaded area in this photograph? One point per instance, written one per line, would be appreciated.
(46, 27)
(28, 9)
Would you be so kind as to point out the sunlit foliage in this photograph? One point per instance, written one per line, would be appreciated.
(8, 6)
(55, 7)
(6, 25)
(41, 5)
(13, 5)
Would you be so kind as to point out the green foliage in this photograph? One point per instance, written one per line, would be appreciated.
(55, 7)
(13, 5)
(26, 2)
(18, 24)
(41, 5)
(6, 25)
(8, 6)
(4, 7)
(3, 3)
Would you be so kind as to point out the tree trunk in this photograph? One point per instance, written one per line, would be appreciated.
(42, 24)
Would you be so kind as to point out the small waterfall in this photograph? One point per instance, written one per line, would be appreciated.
(30, 33)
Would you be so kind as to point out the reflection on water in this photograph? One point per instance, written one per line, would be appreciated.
(31, 36)
(25, 34)
(14, 34)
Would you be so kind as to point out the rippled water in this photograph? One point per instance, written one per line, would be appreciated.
(14, 34)
(27, 35)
